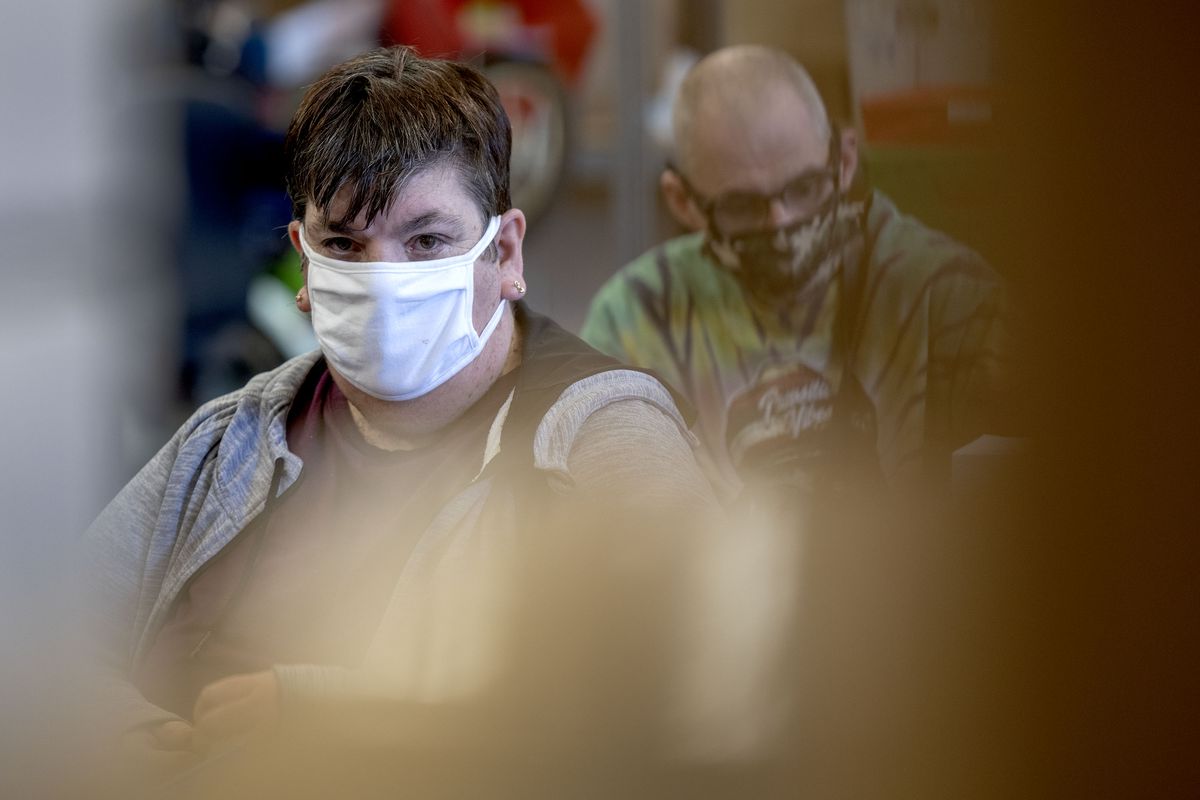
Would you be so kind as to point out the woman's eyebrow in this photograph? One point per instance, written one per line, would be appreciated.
(440, 218)
(426, 219)
(332, 226)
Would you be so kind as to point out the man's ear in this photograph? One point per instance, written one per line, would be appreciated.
(679, 201)
(849, 154)
(509, 241)
(302, 302)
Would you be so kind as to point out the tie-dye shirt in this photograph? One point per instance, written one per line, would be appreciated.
(926, 353)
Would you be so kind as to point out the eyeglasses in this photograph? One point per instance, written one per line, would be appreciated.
(802, 196)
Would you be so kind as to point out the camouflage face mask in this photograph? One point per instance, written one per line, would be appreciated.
(776, 265)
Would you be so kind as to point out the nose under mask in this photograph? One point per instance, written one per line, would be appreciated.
(398, 330)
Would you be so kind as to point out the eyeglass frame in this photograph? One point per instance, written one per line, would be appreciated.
(707, 205)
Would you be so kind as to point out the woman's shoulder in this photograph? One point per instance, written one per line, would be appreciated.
(613, 416)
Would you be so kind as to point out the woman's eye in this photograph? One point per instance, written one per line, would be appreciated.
(426, 246)
(339, 244)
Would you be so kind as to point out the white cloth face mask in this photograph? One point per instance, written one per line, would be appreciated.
(398, 330)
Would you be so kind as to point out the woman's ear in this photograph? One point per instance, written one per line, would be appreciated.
(679, 201)
(511, 260)
(294, 235)
(302, 301)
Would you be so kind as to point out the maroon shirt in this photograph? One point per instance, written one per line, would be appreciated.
(318, 570)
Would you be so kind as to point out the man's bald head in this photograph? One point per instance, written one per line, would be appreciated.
(731, 89)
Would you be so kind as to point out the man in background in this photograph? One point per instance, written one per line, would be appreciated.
(817, 330)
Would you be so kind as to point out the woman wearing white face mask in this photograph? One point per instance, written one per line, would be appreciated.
(399, 330)
(363, 521)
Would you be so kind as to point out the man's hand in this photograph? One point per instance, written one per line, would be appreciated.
(237, 705)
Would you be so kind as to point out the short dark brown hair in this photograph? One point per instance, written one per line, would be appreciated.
(376, 120)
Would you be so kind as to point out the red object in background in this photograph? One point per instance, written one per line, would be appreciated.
(557, 32)
(929, 115)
